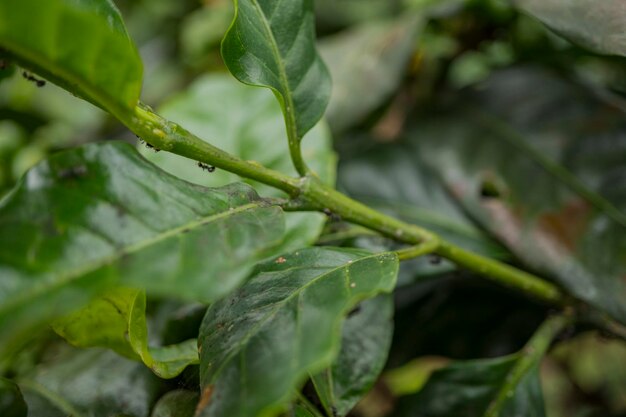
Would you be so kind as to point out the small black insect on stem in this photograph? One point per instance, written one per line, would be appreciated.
(332, 216)
(206, 167)
(29, 77)
(435, 259)
(147, 145)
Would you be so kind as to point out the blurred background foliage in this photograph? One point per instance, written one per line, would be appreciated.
(393, 63)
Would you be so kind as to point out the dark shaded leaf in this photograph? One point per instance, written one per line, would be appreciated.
(177, 403)
(370, 58)
(272, 44)
(90, 383)
(597, 25)
(11, 400)
(502, 387)
(257, 346)
(82, 45)
(365, 342)
(544, 173)
(100, 215)
(466, 389)
(395, 179)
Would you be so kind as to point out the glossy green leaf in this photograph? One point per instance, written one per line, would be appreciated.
(246, 122)
(257, 346)
(11, 400)
(117, 320)
(101, 215)
(272, 44)
(177, 403)
(365, 342)
(549, 184)
(372, 58)
(89, 383)
(468, 388)
(82, 45)
(597, 25)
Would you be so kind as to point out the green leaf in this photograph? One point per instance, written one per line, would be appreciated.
(272, 44)
(365, 343)
(89, 383)
(372, 57)
(117, 320)
(257, 346)
(82, 45)
(597, 25)
(502, 387)
(548, 184)
(100, 215)
(11, 400)
(177, 403)
(467, 389)
(246, 122)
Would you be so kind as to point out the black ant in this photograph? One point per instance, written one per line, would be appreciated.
(147, 145)
(206, 167)
(354, 311)
(332, 216)
(435, 259)
(40, 83)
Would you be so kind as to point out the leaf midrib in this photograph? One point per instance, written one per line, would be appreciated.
(284, 80)
(76, 274)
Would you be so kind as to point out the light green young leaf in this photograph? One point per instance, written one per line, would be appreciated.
(272, 44)
(82, 45)
(365, 343)
(117, 320)
(100, 216)
(257, 346)
(246, 122)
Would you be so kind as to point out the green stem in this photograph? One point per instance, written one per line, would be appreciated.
(531, 355)
(503, 274)
(168, 136)
(309, 193)
(323, 198)
(326, 198)
(304, 402)
(418, 250)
